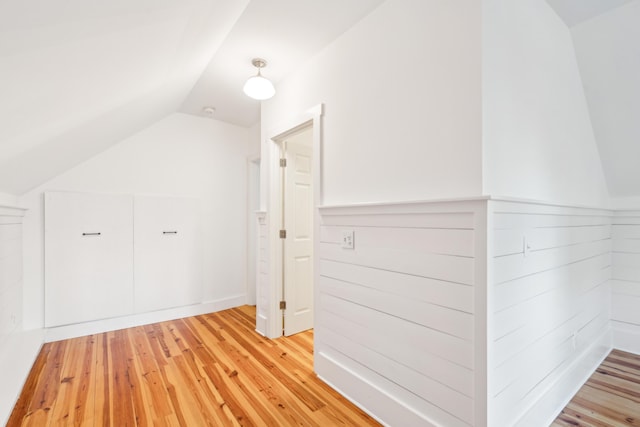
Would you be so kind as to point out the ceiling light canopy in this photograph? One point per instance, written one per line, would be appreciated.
(258, 87)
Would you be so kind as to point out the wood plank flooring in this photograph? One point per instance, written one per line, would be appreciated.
(610, 398)
(209, 370)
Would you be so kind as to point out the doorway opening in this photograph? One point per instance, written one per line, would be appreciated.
(296, 230)
(289, 234)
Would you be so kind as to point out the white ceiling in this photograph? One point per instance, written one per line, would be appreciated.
(574, 12)
(77, 76)
(284, 32)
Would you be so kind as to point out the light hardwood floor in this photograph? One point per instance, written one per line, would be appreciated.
(209, 370)
(610, 398)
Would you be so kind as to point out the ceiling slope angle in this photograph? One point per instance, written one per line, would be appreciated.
(79, 76)
(608, 53)
(574, 12)
(286, 33)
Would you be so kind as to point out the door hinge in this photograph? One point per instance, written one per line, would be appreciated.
(283, 163)
(283, 305)
(283, 234)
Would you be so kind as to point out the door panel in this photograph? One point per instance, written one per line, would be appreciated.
(298, 247)
(88, 257)
(168, 253)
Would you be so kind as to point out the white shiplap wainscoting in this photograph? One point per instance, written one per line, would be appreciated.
(625, 285)
(549, 307)
(262, 273)
(18, 348)
(400, 318)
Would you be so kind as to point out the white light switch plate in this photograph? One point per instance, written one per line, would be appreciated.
(347, 239)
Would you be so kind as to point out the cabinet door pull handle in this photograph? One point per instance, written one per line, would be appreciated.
(169, 232)
(91, 234)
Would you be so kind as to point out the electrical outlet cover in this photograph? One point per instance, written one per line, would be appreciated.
(347, 239)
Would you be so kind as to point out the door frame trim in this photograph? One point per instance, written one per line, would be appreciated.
(312, 117)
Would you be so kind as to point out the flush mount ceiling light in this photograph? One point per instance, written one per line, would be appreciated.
(257, 87)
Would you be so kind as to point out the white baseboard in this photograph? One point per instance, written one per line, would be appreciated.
(368, 397)
(100, 326)
(626, 336)
(261, 325)
(17, 354)
(547, 408)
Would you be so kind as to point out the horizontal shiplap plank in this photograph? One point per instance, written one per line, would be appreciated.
(625, 288)
(453, 220)
(448, 347)
(10, 308)
(514, 266)
(10, 232)
(512, 241)
(10, 270)
(453, 322)
(585, 324)
(437, 394)
(433, 367)
(10, 220)
(583, 273)
(625, 231)
(519, 221)
(430, 240)
(438, 292)
(626, 259)
(626, 272)
(630, 219)
(626, 308)
(626, 245)
(519, 315)
(435, 266)
(548, 319)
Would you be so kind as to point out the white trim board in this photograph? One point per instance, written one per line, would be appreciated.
(562, 391)
(626, 337)
(106, 325)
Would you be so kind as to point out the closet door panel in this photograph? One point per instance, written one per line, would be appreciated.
(167, 252)
(88, 257)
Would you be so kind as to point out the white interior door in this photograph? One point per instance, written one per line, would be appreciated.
(298, 245)
(88, 257)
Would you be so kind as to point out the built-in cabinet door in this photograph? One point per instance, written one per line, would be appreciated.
(168, 252)
(88, 257)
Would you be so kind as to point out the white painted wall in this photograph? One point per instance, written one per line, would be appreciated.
(401, 91)
(538, 142)
(180, 155)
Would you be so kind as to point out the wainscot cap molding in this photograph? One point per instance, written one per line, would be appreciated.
(7, 210)
(404, 207)
(406, 202)
(545, 203)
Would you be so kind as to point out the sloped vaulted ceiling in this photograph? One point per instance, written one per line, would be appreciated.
(78, 75)
(606, 37)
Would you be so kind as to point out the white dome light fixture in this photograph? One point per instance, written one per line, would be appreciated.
(258, 87)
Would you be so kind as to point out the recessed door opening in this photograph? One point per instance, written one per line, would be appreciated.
(297, 230)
